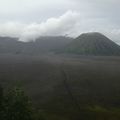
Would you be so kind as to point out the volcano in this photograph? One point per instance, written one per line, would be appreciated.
(93, 43)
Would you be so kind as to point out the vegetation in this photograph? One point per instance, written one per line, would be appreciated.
(86, 44)
(39, 46)
(93, 44)
(15, 105)
(61, 87)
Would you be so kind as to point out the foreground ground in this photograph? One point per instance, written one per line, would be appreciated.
(67, 87)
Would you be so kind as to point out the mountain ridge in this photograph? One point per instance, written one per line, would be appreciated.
(92, 43)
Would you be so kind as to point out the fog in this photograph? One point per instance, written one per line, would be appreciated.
(29, 19)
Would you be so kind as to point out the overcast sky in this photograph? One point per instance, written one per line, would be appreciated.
(28, 19)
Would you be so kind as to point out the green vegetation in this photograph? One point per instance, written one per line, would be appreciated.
(92, 44)
(15, 105)
(94, 83)
(61, 86)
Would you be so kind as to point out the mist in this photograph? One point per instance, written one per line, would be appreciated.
(66, 17)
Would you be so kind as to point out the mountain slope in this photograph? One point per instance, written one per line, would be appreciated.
(40, 45)
(10, 45)
(92, 44)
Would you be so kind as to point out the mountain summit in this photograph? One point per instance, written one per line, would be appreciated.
(93, 43)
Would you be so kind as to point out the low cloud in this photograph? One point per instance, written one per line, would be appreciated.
(53, 26)
(65, 24)
(70, 23)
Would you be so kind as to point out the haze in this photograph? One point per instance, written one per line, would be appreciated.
(29, 19)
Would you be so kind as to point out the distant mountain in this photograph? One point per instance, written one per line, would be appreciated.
(92, 43)
(40, 45)
(10, 45)
(48, 43)
(85, 44)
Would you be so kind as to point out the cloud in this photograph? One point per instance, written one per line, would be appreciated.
(12, 29)
(32, 10)
(53, 26)
(71, 23)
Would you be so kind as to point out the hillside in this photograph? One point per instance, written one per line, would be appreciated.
(92, 44)
(65, 86)
(10, 45)
(41, 45)
(86, 44)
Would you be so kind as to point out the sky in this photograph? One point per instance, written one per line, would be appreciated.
(29, 19)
